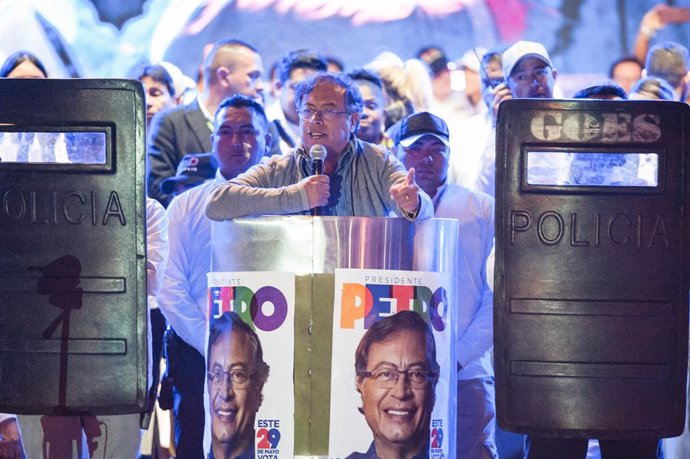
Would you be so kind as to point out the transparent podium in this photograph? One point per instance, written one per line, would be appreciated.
(402, 264)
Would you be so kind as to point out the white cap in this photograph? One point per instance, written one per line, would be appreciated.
(181, 82)
(520, 50)
(471, 59)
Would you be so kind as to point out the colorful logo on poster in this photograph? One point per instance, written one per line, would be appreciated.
(265, 309)
(372, 302)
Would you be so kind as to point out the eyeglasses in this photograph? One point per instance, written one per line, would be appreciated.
(387, 377)
(239, 379)
(528, 76)
(328, 114)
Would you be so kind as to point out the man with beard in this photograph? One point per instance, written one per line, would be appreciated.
(529, 73)
(397, 371)
(240, 138)
(236, 376)
(424, 145)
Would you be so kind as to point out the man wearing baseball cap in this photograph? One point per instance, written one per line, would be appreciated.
(193, 170)
(470, 63)
(529, 73)
(529, 70)
(423, 143)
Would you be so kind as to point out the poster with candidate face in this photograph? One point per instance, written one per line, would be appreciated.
(393, 364)
(249, 396)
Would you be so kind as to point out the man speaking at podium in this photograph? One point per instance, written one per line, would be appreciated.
(358, 179)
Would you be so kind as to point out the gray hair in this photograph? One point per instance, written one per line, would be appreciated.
(353, 97)
(230, 322)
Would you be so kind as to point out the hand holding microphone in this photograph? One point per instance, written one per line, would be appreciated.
(317, 185)
(318, 155)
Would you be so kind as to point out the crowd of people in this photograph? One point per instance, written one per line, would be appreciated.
(401, 140)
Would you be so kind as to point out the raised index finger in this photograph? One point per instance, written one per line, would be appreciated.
(410, 176)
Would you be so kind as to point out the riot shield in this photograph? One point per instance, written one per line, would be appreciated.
(591, 303)
(72, 254)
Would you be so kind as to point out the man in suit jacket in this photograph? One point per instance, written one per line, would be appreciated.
(231, 67)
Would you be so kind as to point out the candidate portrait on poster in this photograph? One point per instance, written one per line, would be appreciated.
(250, 364)
(236, 376)
(392, 365)
(396, 375)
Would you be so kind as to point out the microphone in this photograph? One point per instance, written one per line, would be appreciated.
(318, 154)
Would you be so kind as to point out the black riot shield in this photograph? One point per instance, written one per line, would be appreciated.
(73, 316)
(591, 274)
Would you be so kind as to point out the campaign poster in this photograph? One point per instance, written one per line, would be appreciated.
(261, 388)
(420, 408)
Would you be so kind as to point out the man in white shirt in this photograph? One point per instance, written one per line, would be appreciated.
(528, 73)
(240, 139)
(471, 135)
(423, 144)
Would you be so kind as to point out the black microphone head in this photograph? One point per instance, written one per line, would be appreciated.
(318, 152)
